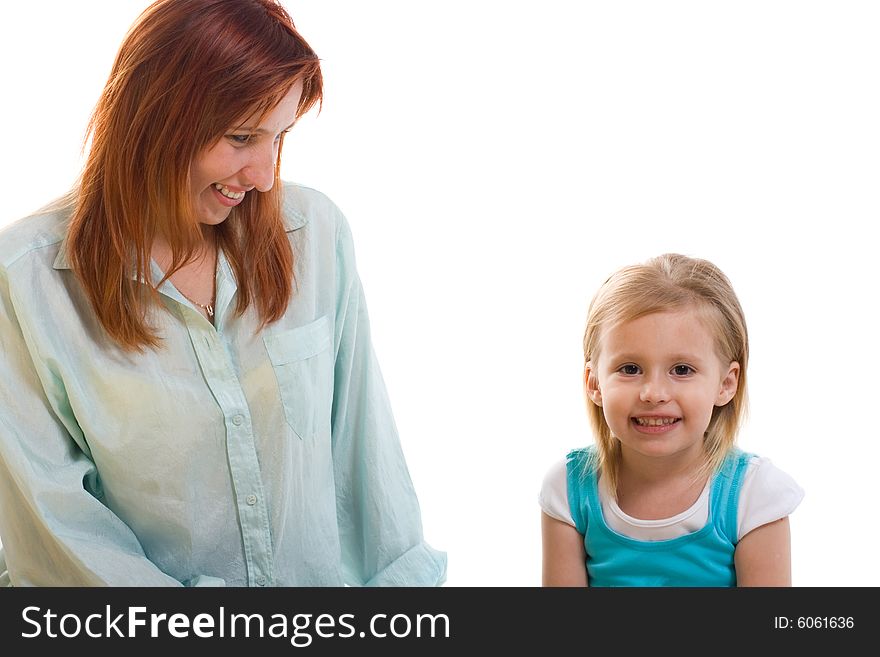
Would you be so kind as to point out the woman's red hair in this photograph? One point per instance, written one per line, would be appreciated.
(185, 73)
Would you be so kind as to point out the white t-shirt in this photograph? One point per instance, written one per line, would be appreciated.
(767, 494)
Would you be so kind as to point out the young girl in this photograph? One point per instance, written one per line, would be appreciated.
(664, 498)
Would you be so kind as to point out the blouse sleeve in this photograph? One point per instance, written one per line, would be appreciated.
(54, 527)
(554, 493)
(768, 494)
(378, 513)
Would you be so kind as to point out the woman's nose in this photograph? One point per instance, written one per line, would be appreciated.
(260, 171)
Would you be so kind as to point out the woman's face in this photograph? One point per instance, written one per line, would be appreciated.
(242, 161)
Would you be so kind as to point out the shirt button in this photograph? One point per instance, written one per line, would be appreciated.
(261, 581)
(237, 420)
(251, 500)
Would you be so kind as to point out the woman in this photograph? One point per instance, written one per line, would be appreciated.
(188, 393)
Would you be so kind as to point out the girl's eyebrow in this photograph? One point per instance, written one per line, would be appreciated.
(629, 355)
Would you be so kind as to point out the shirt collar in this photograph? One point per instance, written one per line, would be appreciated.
(291, 215)
(61, 261)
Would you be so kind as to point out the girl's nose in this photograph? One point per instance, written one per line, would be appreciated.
(655, 390)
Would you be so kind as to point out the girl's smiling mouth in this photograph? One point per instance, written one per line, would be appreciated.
(655, 424)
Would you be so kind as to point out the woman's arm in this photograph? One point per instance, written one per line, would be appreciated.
(564, 557)
(54, 527)
(763, 556)
(378, 513)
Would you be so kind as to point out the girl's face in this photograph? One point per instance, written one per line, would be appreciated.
(657, 379)
(242, 161)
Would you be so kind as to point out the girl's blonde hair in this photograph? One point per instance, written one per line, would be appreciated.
(667, 283)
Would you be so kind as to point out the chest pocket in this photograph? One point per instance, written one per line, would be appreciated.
(301, 359)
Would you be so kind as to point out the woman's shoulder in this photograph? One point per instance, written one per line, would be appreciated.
(44, 229)
(304, 205)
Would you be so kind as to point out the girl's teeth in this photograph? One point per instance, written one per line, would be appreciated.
(655, 421)
(223, 189)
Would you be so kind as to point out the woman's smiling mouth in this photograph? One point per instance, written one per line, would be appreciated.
(226, 196)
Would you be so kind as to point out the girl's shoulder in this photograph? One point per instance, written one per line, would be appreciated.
(554, 494)
(768, 493)
(760, 472)
(583, 456)
(553, 497)
(556, 476)
(767, 479)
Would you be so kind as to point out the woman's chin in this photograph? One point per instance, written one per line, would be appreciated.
(214, 218)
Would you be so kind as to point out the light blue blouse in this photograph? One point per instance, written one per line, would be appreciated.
(230, 456)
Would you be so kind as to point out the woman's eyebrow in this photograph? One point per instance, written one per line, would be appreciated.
(262, 131)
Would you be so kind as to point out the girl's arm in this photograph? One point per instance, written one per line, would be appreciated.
(763, 556)
(564, 556)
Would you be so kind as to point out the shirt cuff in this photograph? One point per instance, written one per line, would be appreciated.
(205, 581)
(418, 566)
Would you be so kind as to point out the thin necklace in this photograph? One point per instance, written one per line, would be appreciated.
(209, 308)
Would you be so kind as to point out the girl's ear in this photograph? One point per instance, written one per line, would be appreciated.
(591, 381)
(729, 385)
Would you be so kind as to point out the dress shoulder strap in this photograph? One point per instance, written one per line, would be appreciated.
(726, 486)
(580, 471)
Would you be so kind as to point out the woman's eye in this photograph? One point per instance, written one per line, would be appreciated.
(629, 369)
(240, 139)
(682, 370)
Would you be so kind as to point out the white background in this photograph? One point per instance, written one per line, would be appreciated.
(497, 160)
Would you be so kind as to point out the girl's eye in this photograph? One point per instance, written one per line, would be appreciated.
(682, 370)
(629, 369)
(240, 139)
